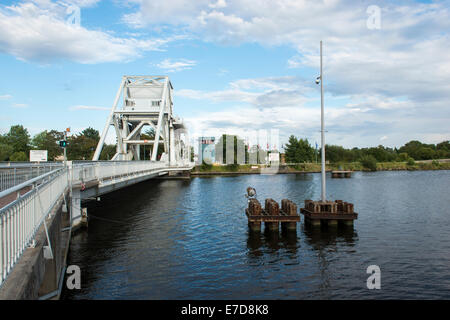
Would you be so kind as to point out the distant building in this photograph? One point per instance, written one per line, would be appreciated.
(282, 158)
(206, 150)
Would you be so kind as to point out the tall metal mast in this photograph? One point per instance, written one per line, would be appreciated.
(322, 120)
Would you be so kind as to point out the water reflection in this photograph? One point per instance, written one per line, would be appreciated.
(271, 242)
(325, 236)
(165, 239)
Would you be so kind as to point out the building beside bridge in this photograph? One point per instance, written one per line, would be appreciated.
(206, 150)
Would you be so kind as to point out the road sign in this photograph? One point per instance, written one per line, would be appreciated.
(38, 155)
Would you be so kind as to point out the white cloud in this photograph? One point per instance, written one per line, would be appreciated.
(83, 107)
(279, 103)
(20, 105)
(5, 97)
(178, 65)
(398, 74)
(260, 92)
(218, 4)
(176, 12)
(38, 31)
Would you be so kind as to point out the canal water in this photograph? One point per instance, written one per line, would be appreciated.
(172, 239)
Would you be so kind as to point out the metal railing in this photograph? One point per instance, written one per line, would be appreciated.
(21, 218)
(109, 171)
(12, 174)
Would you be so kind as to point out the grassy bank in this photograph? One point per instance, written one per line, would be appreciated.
(315, 167)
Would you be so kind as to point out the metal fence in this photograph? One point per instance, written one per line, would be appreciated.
(14, 174)
(20, 219)
(110, 171)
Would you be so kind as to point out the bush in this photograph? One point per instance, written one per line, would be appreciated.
(369, 162)
(403, 156)
(410, 161)
(205, 167)
(5, 151)
(18, 156)
(435, 163)
(232, 167)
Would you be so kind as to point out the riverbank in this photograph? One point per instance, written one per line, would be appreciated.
(205, 170)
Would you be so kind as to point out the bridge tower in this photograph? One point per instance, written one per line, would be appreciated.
(146, 100)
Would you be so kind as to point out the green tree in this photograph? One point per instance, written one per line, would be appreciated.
(18, 138)
(410, 162)
(82, 146)
(108, 151)
(290, 149)
(18, 156)
(5, 151)
(420, 151)
(48, 140)
(369, 162)
(298, 150)
(91, 133)
(443, 150)
(402, 157)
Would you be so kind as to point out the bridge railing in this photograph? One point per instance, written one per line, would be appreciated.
(21, 218)
(12, 174)
(111, 170)
(32, 201)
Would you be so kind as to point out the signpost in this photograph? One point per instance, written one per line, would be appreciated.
(63, 144)
(38, 155)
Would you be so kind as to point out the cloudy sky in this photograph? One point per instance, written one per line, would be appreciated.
(237, 66)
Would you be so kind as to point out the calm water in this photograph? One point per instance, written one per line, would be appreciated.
(171, 239)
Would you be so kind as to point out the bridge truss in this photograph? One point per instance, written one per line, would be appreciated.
(146, 101)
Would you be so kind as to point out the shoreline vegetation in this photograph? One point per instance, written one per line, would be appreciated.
(233, 169)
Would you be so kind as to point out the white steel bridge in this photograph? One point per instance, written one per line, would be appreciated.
(30, 192)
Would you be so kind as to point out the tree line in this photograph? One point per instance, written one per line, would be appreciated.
(16, 144)
(300, 150)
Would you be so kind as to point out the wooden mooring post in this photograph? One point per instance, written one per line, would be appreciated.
(341, 174)
(329, 212)
(271, 215)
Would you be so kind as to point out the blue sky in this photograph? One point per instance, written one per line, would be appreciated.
(237, 67)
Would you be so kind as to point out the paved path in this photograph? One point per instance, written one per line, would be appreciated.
(12, 196)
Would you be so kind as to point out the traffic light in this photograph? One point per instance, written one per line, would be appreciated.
(63, 143)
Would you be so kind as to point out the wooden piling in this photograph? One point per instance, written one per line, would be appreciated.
(331, 212)
(271, 215)
(341, 174)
